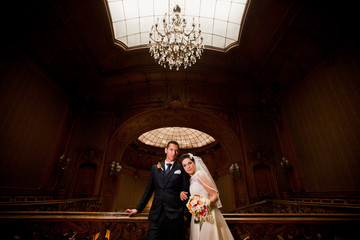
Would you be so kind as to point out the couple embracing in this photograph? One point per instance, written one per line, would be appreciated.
(172, 182)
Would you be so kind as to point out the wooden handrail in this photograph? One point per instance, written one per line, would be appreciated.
(229, 217)
(339, 206)
(65, 201)
(84, 225)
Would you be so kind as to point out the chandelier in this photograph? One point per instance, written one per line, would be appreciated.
(173, 44)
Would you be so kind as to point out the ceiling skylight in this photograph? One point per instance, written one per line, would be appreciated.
(220, 20)
(186, 137)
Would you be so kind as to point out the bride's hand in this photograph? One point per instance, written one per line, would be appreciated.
(183, 196)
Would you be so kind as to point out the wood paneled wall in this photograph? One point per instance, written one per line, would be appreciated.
(226, 192)
(260, 134)
(92, 129)
(32, 111)
(132, 190)
(323, 118)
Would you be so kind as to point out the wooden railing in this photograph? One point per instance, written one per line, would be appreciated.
(344, 198)
(282, 206)
(99, 225)
(269, 219)
(294, 226)
(80, 204)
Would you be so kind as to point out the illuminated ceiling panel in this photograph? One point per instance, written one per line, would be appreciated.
(187, 138)
(220, 20)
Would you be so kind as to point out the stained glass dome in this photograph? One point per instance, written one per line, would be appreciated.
(187, 138)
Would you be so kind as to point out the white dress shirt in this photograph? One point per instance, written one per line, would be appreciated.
(166, 166)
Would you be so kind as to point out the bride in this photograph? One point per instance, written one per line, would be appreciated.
(202, 183)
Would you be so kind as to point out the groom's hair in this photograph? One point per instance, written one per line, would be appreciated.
(172, 142)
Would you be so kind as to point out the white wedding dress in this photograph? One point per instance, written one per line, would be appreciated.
(217, 229)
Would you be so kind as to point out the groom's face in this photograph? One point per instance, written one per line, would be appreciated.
(171, 152)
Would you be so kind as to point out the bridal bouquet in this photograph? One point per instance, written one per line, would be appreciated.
(199, 206)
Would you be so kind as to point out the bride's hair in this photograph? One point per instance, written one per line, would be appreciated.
(187, 155)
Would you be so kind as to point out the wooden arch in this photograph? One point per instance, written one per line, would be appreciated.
(217, 127)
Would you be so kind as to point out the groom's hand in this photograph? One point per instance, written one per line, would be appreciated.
(131, 211)
(183, 196)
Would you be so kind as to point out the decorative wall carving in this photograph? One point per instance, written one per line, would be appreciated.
(262, 175)
(176, 102)
(88, 173)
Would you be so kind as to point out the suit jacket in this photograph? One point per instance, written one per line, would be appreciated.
(167, 188)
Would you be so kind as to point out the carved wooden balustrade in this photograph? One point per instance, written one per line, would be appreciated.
(294, 226)
(81, 204)
(282, 206)
(72, 225)
(99, 225)
(270, 219)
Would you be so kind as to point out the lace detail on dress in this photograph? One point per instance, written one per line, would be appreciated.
(205, 176)
(196, 187)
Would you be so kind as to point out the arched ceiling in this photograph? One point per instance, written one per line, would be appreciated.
(125, 148)
(71, 42)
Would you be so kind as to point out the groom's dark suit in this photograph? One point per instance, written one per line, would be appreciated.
(167, 210)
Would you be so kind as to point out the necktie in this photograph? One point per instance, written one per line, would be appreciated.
(168, 168)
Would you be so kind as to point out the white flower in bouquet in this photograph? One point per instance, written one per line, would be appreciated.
(199, 206)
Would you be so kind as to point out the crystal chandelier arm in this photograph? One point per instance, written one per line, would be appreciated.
(183, 36)
(166, 31)
(187, 34)
(165, 24)
(156, 33)
(155, 41)
(193, 32)
(197, 37)
(159, 33)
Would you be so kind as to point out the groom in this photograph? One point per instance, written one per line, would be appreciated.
(168, 179)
